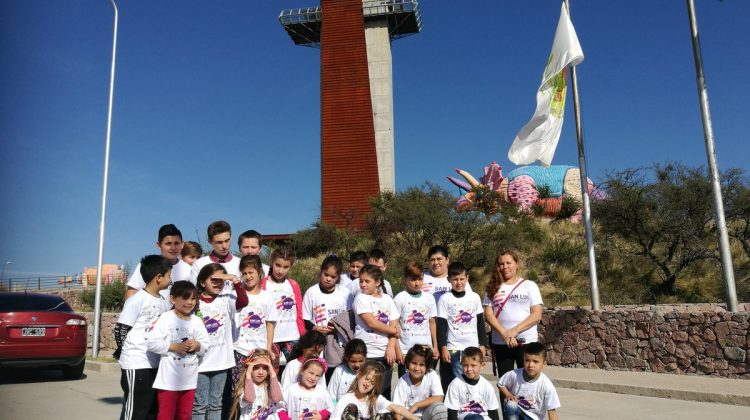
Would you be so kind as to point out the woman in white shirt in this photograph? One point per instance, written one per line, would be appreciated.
(513, 308)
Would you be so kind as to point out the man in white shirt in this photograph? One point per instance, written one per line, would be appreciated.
(169, 242)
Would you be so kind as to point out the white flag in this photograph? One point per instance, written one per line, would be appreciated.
(537, 139)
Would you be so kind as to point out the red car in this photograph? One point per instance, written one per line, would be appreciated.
(38, 330)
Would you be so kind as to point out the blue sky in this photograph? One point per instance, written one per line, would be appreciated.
(216, 112)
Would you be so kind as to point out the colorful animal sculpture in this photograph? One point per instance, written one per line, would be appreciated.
(525, 187)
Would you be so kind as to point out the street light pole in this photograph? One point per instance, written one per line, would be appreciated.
(98, 294)
(2, 273)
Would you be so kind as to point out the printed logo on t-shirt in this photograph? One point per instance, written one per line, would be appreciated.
(320, 313)
(285, 303)
(415, 317)
(252, 321)
(528, 404)
(212, 324)
(427, 288)
(463, 317)
(382, 317)
(475, 407)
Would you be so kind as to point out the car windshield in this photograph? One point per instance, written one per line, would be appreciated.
(22, 302)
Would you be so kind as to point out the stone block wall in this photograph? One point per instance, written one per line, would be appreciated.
(680, 339)
(107, 337)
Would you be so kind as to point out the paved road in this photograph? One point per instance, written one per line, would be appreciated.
(44, 395)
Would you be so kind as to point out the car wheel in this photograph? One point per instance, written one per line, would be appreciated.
(74, 372)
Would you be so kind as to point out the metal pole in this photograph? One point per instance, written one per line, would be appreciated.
(98, 293)
(584, 188)
(708, 134)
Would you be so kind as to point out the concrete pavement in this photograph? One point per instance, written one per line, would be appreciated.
(44, 394)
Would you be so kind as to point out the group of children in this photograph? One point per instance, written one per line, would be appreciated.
(242, 341)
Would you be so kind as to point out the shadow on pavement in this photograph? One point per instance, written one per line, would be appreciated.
(111, 400)
(27, 375)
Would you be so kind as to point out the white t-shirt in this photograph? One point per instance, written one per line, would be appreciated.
(540, 394)
(177, 372)
(354, 289)
(319, 307)
(232, 267)
(217, 317)
(140, 312)
(384, 310)
(461, 314)
(260, 408)
(251, 323)
(381, 406)
(437, 286)
(344, 280)
(516, 309)
(415, 319)
(283, 300)
(291, 375)
(180, 271)
(471, 399)
(341, 379)
(300, 401)
(407, 394)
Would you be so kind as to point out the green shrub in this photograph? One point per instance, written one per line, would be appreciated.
(112, 296)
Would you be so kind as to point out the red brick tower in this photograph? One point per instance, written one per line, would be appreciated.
(355, 164)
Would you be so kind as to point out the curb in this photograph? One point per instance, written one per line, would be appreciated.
(688, 388)
(644, 391)
(101, 367)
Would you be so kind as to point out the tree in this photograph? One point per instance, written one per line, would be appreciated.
(736, 195)
(666, 219)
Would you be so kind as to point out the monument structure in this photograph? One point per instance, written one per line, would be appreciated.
(356, 91)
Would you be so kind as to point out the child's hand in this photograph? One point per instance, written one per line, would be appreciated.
(445, 354)
(193, 345)
(413, 409)
(399, 355)
(396, 331)
(323, 330)
(435, 353)
(315, 415)
(181, 348)
(234, 279)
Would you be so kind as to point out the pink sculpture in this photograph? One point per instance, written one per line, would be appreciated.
(525, 187)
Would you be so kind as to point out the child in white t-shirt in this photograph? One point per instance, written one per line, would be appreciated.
(217, 309)
(180, 338)
(219, 234)
(528, 392)
(364, 402)
(460, 323)
(309, 346)
(136, 320)
(355, 354)
(255, 322)
(287, 299)
(470, 396)
(322, 303)
(357, 261)
(257, 394)
(305, 399)
(418, 311)
(376, 321)
(419, 389)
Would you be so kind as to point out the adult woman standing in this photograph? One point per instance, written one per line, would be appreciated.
(513, 308)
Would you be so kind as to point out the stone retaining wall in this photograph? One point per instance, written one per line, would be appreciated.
(107, 337)
(698, 339)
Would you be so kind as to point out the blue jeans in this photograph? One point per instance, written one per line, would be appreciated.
(450, 372)
(208, 395)
(473, 416)
(512, 411)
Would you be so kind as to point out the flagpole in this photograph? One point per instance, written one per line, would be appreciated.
(584, 187)
(708, 134)
(98, 293)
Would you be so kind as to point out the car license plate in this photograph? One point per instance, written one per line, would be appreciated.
(32, 332)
